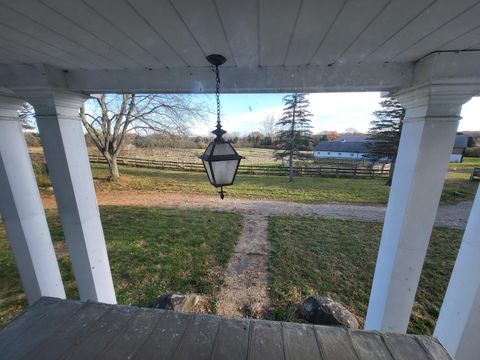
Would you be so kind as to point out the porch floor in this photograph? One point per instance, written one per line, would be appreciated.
(66, 329)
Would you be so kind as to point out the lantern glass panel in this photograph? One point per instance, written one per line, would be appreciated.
(224, 171)
(223, 149)
(206, 164)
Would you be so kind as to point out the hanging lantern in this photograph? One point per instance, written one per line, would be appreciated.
(220, 159)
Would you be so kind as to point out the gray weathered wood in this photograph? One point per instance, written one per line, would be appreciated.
(198, 339)
(232, 340)
(266, 341)
(405, 347)
(369, 345)
(100, 334)
(64, 329)
(129, 341)
(335, 343)
(432, 346)
(166, 336)
(56, 344)
(300, 342)
(35, 334)
(26, 319)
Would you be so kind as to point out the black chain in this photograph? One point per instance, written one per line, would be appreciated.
(217, 93)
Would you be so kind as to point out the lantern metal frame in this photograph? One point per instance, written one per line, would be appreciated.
(208, 158)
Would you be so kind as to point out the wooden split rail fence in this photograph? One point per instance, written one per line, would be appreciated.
(325, 170)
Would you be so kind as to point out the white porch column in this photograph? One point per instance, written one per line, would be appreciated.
(428, 134)
(458, 325)
(63, 140)
(22, 210)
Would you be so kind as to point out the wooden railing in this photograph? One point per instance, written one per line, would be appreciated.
(315, 170)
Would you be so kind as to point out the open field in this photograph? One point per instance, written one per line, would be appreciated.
(151, 251)
(336, 258)
(255, 156)
(303, 189)
(312, 190)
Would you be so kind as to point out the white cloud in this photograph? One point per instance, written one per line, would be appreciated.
(332, 111)
(471, 115)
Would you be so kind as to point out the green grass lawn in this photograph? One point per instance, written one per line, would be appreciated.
(337, 258)
(303, 189)
(152, 251)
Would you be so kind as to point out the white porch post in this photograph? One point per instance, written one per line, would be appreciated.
(63, 140)
(458, 325)
(22, 210)
(428, 134)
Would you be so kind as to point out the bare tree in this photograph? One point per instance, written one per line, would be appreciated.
(269, 126)
(110, 117)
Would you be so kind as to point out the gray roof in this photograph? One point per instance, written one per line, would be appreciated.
(342, 146)
(353, 138)
(359, 144)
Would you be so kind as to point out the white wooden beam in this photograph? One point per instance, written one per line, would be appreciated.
(428, 134)
(63, 140)
(22, 210)
(458, 325)
(342, 77)
(437, 68)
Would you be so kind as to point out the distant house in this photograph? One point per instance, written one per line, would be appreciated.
(341, 149)
(355, 147)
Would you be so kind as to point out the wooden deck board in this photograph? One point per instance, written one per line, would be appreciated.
(266, 341)
(405, 347)
(198, 339)
(166, 336)
(335, 343)
(100, 334)
(299, 342)
(370, 345)
(62, 329)
(41, 330)
(130, 340)
(232, 340)
(26, 319)
(64, 337)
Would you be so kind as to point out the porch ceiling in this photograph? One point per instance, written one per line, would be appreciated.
(361, 36)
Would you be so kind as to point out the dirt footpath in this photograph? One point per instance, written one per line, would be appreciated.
(245, 291)
(453, 216)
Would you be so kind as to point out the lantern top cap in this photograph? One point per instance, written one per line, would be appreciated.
(216, 59)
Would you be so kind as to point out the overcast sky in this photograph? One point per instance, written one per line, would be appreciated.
(244, 113)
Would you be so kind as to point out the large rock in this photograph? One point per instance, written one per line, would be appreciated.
(325, 311)
(178, 302)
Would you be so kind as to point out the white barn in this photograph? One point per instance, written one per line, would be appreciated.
(356, 148)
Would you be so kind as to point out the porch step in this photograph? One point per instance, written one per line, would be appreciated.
(66, 329)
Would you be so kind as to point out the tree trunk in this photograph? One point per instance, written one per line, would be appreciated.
(292, 144)
(112, 167)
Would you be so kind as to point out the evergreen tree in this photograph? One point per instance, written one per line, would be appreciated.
(294, 133)
(385, 132)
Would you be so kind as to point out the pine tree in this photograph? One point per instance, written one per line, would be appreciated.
(385, 132)
(294, 133)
